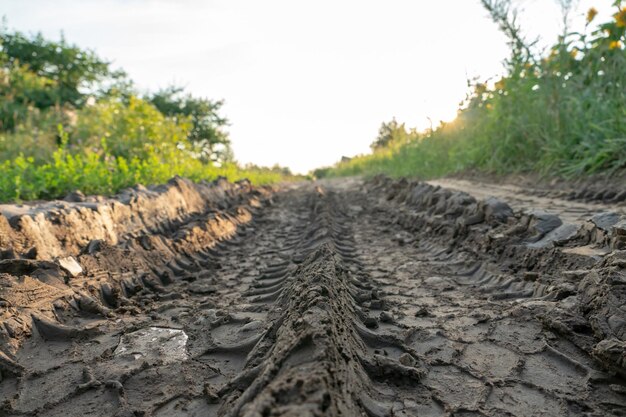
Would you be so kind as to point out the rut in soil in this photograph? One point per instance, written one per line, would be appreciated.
(346, 298)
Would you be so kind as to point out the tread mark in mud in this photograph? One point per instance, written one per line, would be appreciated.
(380, 298)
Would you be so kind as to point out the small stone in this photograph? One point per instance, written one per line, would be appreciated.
(211, 395)
(563, 234)
(422, 312)
(497, 210)
(370, 323)
(70, 265)
(87, 374)
(154, 344)
(386, 317)
(407, 360)
(75, 197)
(543, 222)
(620, 228)
(94, 246)
(606, 220)
(114, 384)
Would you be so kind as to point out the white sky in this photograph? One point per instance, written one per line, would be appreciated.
(305, 81)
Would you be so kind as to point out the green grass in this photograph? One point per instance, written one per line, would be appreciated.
(23, 179)
(69, 122)
(112, 146)
(563, 113)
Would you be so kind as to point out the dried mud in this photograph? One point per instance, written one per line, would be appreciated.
(342, 298)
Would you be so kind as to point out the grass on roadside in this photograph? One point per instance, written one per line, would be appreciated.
(563, 113)
(23, 179)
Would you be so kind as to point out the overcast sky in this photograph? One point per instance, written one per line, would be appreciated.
(305, 81)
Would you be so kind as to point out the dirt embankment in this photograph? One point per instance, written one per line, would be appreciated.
(346, 298)
(63, 228)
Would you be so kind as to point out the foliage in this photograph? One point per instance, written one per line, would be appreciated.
(42, 80)
(207, 133)
(36, 137)
(69, 122)
(136, 129)
(91, 173)
(562, 111)
(388, 133)
(71, 73)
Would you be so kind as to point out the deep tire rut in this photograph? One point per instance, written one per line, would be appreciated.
(380, 298)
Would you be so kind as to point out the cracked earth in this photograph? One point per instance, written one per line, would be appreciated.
(340, 298)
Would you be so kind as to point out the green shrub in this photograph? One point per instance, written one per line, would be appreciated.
(91, 173)
(69, 122)
(561, 113)
(136, 129)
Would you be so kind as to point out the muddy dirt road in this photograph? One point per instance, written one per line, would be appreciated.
(341, 298)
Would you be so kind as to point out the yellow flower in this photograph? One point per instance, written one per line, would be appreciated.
(591, 14)
(620, 18)
(500, 84)
(574, 53)
(615, 45)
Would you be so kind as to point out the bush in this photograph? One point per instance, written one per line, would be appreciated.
(68, 122)
(23, 179)
(136, 129)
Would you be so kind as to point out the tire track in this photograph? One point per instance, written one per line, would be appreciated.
(318, 357)
(483, 333)
(352, 299)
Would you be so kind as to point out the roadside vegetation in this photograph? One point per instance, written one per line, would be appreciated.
(69, 121)
(560, 111)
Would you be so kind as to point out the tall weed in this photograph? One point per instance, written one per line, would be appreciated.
(562, 112)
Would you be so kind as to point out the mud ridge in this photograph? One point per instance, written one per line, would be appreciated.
(63, 228)
(313, 360)
(531, 255)
(344, 298)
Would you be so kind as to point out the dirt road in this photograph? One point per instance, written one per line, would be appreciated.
(342, 298)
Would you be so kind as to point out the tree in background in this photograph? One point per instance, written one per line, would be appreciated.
(73, 74)
(68, 122)
(38, 75)
(44, 84)
(207, 134)
(390, 132)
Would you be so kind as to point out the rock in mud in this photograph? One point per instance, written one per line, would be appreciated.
(613, 352)
(605, 221)
(154, 344)
(70, 265)
(542, 223)
(562, 234)
(497, 210)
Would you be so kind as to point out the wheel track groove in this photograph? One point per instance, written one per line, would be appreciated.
(380, 299)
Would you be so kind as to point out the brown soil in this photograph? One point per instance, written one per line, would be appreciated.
(342, 298)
